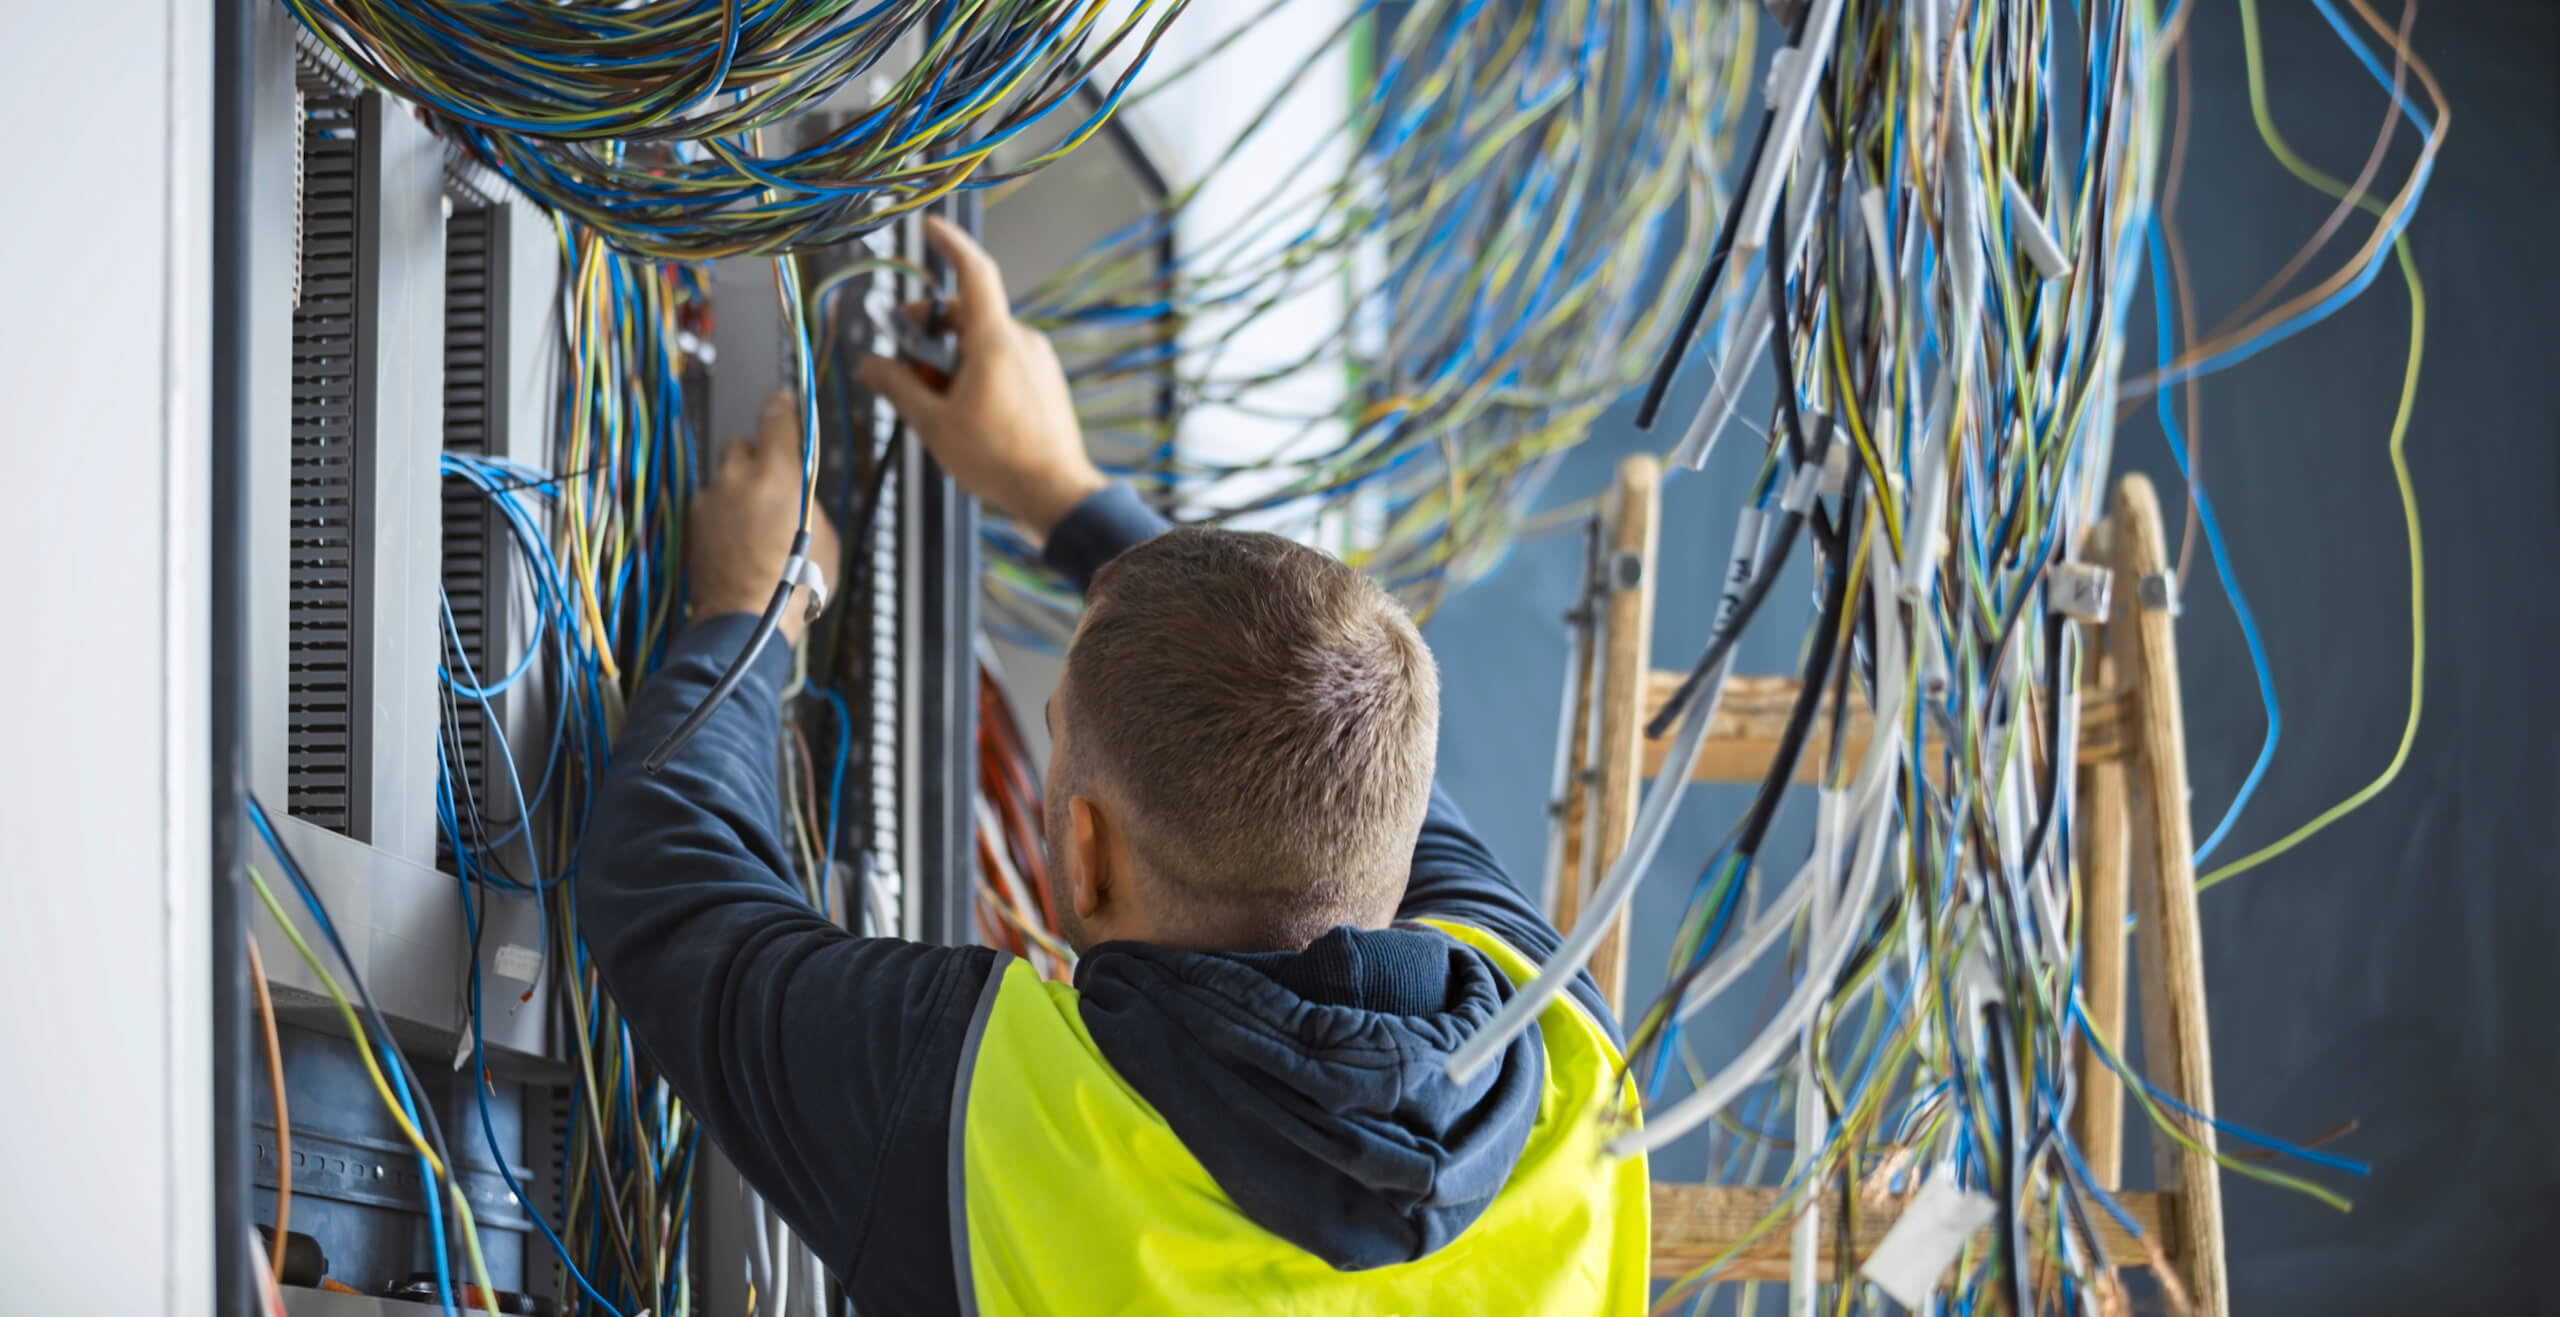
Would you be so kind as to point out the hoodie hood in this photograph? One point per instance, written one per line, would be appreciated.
(1313, 1086)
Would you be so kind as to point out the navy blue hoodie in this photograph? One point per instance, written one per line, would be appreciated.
(1311, 1085)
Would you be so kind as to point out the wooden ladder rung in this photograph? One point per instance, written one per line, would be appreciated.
(1742, 738)
(1694, 1224)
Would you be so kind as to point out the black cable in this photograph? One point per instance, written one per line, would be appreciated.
(1700, 293)
(1754, 828)
(1703, 292)
(1817, 667)
(1789, 526)
(235, 1281)
(1998, 1050)
(767, 622)
(1782, 352)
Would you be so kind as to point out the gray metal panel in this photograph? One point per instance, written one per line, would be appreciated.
(324, 679)
(271, 184)
(358, 1187)
(404, 926)
(533, 332)
(403, 379)
(530, 339)
(475, 642)
(938, 598)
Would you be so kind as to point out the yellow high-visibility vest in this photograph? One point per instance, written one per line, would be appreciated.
(1071, 1195)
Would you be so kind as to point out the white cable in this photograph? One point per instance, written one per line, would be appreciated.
(1761, 204)
(1653, 821)
(1804, 1285)
(1755, 940)
(1739, 361)
(1833, 944)
(1835, 927)
(1745, 951)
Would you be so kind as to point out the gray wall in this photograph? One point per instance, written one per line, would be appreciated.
(2399, 969)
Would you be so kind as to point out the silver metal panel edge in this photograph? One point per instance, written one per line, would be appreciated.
(532, 372)
(397, 618)
(273, 133)
(938, 595)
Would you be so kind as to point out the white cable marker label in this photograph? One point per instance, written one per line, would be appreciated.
(523, 964)
(1924, 1242)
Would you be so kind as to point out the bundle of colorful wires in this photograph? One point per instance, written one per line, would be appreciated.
(594, 552)
(1937, 270)
(1017, 910)
(647, 122)
(1519, 184)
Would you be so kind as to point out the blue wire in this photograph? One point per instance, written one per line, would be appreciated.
(488, 1127)
(2249, 1136)
(2165, 315)
(389, 1051)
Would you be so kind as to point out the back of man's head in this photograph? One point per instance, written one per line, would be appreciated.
(1266, 718)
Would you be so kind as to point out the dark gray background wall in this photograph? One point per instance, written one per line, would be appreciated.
(2403, 968)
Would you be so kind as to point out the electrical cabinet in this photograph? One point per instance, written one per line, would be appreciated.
(403, 313)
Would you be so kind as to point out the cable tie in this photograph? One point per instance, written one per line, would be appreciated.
(801, 571)
(1802, 487)
(2080, 590)
(2042, 251)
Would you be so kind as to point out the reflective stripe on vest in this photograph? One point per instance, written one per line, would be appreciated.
(1071, 1195)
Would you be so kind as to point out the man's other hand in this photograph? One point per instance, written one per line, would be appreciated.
(1005, 428)
(739, 532)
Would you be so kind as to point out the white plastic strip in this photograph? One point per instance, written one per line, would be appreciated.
(1740, 359)
(1762, 202)
(1924, 1242)
(2027, 223)
(518, 962)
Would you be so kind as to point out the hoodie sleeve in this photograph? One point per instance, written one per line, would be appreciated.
(1455, 876)
(822, 1063)
(1111, 521)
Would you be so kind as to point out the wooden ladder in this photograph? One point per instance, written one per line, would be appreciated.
(2135, 853)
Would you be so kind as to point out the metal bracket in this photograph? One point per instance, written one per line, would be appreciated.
(2158, 592)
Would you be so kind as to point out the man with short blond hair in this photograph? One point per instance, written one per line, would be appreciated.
(1242, 1103)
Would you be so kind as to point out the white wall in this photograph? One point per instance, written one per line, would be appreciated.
(105, 1089)
(1194, 120)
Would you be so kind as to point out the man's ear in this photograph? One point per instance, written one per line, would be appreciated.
(1092, 881)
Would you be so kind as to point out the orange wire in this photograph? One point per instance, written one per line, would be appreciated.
(284, 1121)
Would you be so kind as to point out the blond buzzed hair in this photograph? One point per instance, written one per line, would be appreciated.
(1270, 717)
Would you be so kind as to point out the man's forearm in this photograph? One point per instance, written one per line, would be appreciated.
(678, 865)
(821, 1062)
